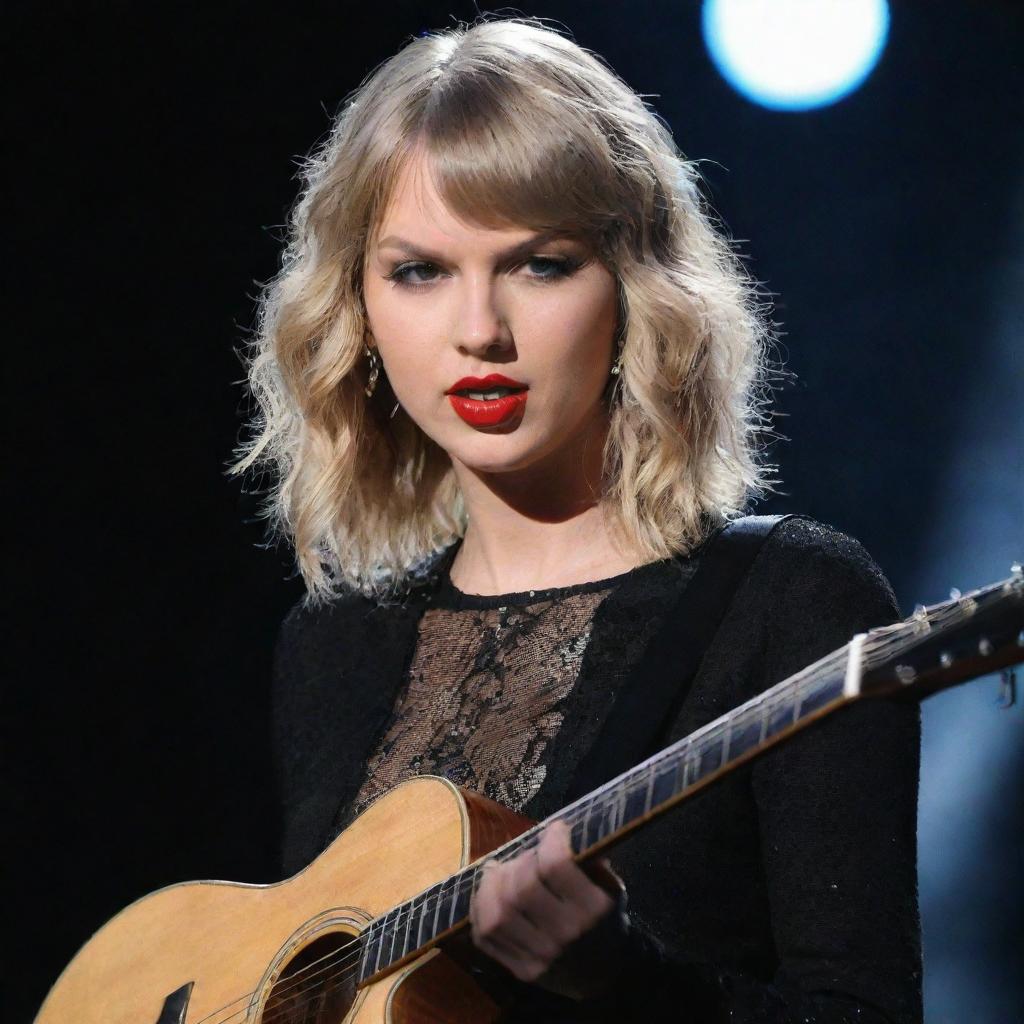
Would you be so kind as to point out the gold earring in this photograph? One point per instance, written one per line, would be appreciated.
(374, 371)
(617, 365)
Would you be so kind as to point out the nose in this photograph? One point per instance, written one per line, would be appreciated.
(480, 328)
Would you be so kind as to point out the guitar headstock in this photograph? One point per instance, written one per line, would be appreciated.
(944, 644)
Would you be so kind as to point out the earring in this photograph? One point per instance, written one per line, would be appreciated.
(617, 365)
(371, 354)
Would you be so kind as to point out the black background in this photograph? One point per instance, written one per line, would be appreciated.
(154, 149)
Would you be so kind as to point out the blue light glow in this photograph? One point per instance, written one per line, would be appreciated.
(795, 54)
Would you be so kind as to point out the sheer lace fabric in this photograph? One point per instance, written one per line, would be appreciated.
(485, 695)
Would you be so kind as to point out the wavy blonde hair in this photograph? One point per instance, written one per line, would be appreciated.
(522, 127)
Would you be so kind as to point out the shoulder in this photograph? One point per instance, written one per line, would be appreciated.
(310, 629)
(802, 553)
(322, 646)
(810, 588)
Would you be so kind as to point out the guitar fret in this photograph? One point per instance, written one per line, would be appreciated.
(711, 754)
(455, 900)
(429, 913)
(419, 918)
(437, 909)
(611, 809)
(380, 947)
(598, 819)
(408, 924)
(588, 838)
(781, 714)
(747, 733)
(393, 926)
(442, 911)
(634, 799)
(364, 971)
(578, 833)
(465, 897)
(822, 692)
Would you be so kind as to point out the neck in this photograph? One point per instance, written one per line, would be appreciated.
(541, 526)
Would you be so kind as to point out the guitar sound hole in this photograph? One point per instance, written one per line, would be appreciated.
(319, 984)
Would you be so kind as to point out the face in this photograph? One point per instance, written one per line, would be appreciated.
(447, 300)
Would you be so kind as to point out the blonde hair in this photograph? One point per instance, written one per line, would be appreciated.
(522, 127)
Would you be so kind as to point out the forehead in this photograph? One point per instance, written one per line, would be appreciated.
(417, 211)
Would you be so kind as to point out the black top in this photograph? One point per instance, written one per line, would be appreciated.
(785, 892)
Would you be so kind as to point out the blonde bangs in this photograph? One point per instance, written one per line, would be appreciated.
(503, 153)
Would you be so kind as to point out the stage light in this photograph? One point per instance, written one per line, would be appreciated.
(795, 54)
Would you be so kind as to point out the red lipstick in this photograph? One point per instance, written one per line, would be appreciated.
(488, 412)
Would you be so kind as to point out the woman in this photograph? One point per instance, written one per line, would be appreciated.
(510, 383)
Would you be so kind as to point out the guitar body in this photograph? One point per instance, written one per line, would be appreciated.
(223, 952)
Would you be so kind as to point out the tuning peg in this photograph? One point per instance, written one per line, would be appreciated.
(954, 594)
(1016, 569)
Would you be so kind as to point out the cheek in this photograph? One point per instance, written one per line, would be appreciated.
(401, 333)
(586, 328)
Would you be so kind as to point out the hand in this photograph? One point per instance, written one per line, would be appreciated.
(529, 910)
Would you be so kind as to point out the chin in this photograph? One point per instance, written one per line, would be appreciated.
(492, 462)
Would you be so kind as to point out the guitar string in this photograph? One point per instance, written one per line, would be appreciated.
(875, 652)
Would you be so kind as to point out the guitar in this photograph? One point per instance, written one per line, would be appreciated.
(366, 933)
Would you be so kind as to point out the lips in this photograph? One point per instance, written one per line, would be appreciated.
(492, 380)
(488, 412)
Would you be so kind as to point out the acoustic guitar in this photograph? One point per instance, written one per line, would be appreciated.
(368, 932)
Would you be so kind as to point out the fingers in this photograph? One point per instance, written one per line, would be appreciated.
(528, 910)
(562, 877)
(502, 932)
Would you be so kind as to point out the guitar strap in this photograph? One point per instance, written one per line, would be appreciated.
(645, 709)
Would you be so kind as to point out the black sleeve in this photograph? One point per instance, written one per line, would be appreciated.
(309, 703)
(286, 739)
(836, 810)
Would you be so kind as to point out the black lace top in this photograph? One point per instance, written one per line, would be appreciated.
(491, 681)
(784, 893)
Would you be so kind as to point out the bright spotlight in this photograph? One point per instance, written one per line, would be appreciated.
(795, 54)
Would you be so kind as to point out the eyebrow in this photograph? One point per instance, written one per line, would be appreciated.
(519, 249)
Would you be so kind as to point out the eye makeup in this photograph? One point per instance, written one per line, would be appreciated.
(553, 268)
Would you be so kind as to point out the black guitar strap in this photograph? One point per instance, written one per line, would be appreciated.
(646, 707)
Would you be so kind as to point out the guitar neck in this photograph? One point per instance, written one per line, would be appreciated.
(933, 649)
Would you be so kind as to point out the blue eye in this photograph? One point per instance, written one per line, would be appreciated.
(544, 268)
(557, 267)
(400, 275)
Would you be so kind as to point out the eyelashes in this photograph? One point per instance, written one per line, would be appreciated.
(554, 268)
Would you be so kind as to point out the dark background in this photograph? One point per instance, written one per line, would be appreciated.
(154, 149)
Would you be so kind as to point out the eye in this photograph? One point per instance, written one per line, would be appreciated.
(401, 274)
(550, 268)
